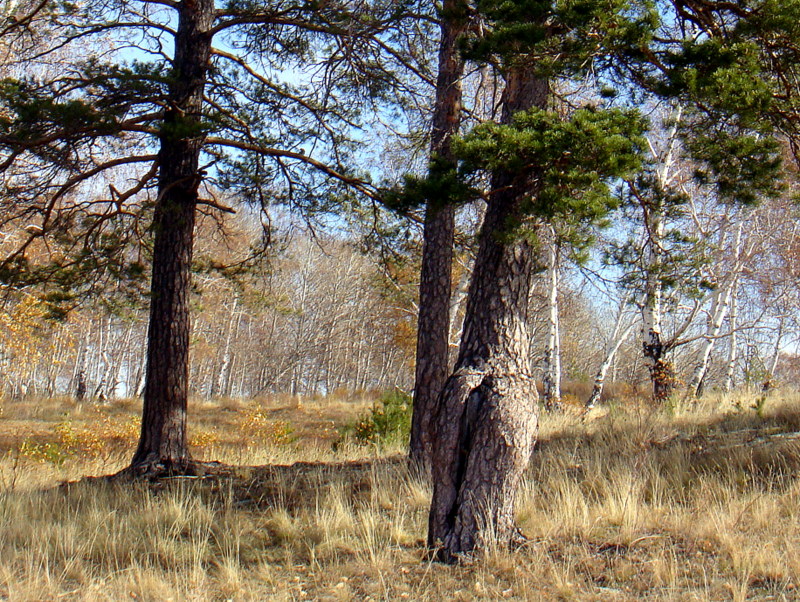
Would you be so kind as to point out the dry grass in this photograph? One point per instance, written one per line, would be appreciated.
(699, 503)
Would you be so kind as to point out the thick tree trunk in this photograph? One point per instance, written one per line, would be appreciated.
(487, 419)
(433, 347)
(162, 444)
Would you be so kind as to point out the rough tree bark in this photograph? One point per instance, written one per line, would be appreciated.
(433, 342)
(487, 419)
(162, 444)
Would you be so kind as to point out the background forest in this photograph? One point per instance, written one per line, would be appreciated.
(329, 304)
(321, 316)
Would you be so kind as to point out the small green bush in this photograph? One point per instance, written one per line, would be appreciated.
(388, 421)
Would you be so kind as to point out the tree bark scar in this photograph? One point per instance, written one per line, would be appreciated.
(488, 417)
(469, 417)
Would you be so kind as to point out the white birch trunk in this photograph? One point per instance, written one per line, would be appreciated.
(651, 310)
(552, 369)
(732, 341)
(223, 378)
(101, 392)
(720, 305)
(618, 336)
(719, 309)
(653, 347)
(776, 354)
(458, 300)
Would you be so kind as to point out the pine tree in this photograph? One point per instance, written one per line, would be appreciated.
(165, 133)
(542, 166)
(433, 332)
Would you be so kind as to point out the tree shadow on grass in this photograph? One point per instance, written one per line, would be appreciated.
(754, 450)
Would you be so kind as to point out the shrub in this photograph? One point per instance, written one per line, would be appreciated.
(119, 432)
(82, 443)
(388, 421)
(108, 435)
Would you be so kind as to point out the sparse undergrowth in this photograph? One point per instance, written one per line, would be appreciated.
(386, 423)
(628, 503)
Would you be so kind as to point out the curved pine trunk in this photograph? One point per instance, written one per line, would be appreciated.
(162, 443)
(487, 420)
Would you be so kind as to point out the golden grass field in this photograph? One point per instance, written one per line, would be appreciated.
(628, 503)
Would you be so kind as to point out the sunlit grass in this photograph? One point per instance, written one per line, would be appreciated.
(696, 502)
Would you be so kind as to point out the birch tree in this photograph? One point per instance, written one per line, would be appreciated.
(622, 329)
(655, 209)
(551, 380)
(738, 252)
(733, 318)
